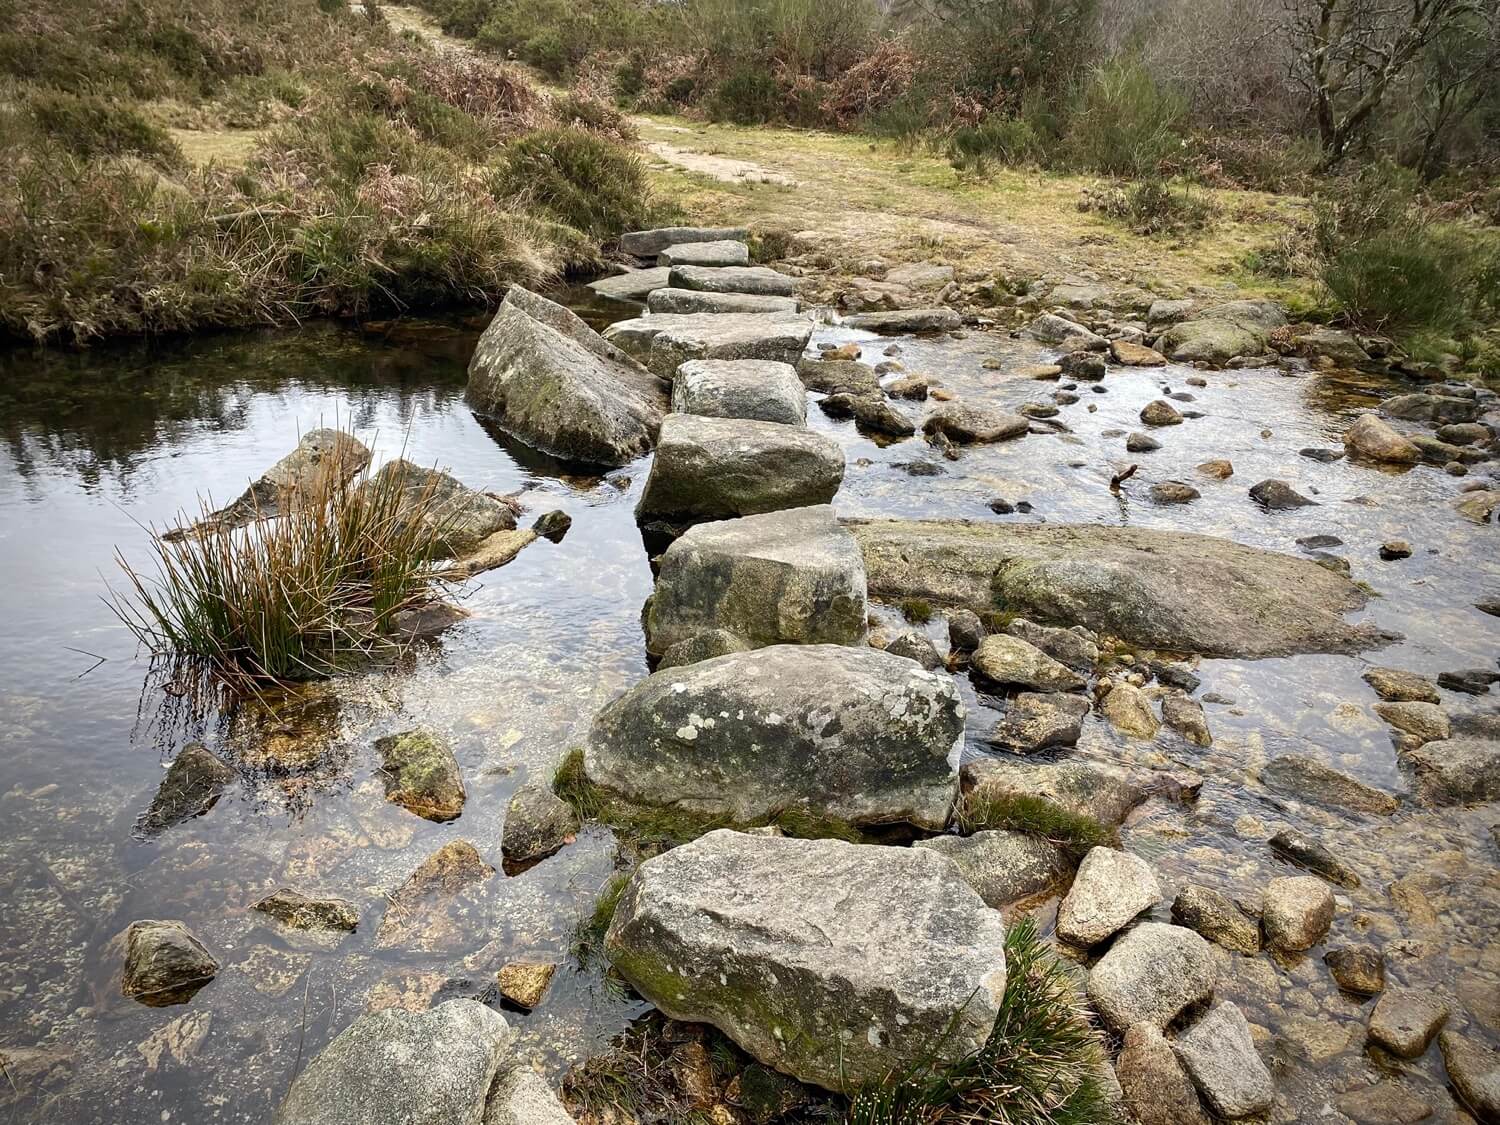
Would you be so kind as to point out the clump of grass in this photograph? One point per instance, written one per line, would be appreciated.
(1040, 1066)
(290, 597)
(1037, 816)
(1152, 206)
(587, 940)
(917, 610)
(668, 827)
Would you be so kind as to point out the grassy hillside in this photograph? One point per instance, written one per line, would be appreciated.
(337, 167)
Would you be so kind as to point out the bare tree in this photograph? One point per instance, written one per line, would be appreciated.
(1460, 69)
(1349, 53)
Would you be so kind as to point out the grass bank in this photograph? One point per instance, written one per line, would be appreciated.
(351, 169)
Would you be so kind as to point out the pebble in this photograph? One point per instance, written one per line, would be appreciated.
(1359, 969)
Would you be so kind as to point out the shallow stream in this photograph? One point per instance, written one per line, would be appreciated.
(100, 446)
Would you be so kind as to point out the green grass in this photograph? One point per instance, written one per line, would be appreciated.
(917, 610)
(1034, 815)
(1040, 1066)
(293, 596)
(587, 940)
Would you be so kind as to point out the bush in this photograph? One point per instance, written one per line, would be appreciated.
(1397, 283)
(1152, 206)
(1123, 122)
(88, 126)
(1010, 140)
(749, 96)
(585, 181)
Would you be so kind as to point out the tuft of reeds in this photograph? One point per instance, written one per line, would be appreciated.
(1035, 815)
(291, 597)
(1041, 1065)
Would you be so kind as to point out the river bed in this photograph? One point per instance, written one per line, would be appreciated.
(100, 446)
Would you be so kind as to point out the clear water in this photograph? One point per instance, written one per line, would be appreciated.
(100, 446)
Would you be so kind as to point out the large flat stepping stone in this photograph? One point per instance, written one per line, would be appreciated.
(836, 963)
(650, 243)
(792, 577)
(552, 382)
(1170, 590)
(845, 732)
(733, 279)
(903, 321)
(632, 285)
(664, 342)
(719, 468)
(760, 390)
(667, 300)
(723, 252)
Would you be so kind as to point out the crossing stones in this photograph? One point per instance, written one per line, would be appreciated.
(719, 468)
(165, 963)
(757, 389)
(760, 280)
(720, 252)
(836, 963)
(965, 422)
(421, 1068)
(838, 376)
(1110, 889)
(667, 300)
(852, 733)
(1150, 975)
(665, 341)
(650, 243)
(1220, 1056)
(553, 383)
(791, 577)
(1004, 867)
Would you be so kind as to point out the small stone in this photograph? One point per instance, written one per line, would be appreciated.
(1219, 470)
(1405, 1021)
(1036, 721)
(1393, 549)
(537, 823)
(916, 646)
(1398, 686)
(1141, 443)
(1324, 456)
(1110, 889)
(1150, 975)
(165, 963)
(1155, 1088)
(964, 422)
(1215, 916)
(1173, 492)
(524, 983)
(303, 912)
(1082, 365)
(1159, 412)
(421, 774)
(1419, 723)
(194, 782)
(1276, 495)
(1128, 710)
(421, 913)
(553, 525)
(1469, 681)
(965, 630)
(1308, 853)
(913, 387)
(1220, 1055)
(1359, 969)
(1297, 912)
(1185, 715)
(1009, 661)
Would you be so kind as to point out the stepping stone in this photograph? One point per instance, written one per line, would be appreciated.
(1307, 779)
(760, 390)
(666, 341)
(724, 252)
(665, 300)
(786, 577)
(836, 963)
(1297, 912)
(650, 243)
(903, 321)
(963, 422)
(760, 280)
(1011, 662)
(632, 285)
(845, 732)
(551, 381)
(720, 468)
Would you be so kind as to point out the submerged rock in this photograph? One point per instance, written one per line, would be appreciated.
(1221, 332)
(555, 384)
(1359, 969)
(195, 781)
(792, 577)
(852, 733)
(719, 468)
(1474, 1069)
(421, 774)
(418, 1068)
(666, 300)
(425, 912)
(1004, 867)
(306, 912)
(1308, 779)
(1307, 853)
(452, 517)
(1151, 974)
(1110, 889)
(1405, 1021)
(165, 963)
(1417, 723)
(1221, 1057)
(758, 389)
(1370, 437)
(760, 280)
(1160, 589)
(835, 963)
